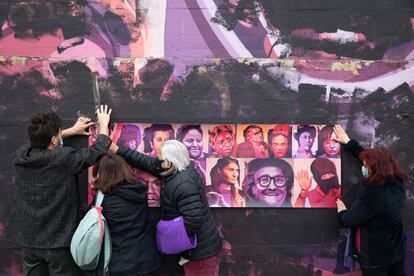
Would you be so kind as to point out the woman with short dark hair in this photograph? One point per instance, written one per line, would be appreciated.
(376, 217)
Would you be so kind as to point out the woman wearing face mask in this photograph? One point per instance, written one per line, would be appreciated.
(377, 234)
(327, 190)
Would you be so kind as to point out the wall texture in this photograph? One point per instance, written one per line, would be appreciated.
(213, 61)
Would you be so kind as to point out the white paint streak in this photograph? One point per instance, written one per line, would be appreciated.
(155, 19)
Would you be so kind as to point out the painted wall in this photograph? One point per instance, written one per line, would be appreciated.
(220, 61)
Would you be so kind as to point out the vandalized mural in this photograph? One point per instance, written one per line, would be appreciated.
(228, 63)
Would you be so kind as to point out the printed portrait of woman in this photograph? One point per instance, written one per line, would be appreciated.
(268, 183)
(225, 188)
(130, 136)
(327, 189)
(154, 186)
(279, 138)
(305, 138)
(221, 141)
(154, 136)
(192, 137)
(327, 146)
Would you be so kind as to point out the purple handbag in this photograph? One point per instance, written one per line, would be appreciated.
(172, 237)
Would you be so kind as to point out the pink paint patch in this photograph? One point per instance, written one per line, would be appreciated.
(42, 47)
(85, 50)
(361, 37)
(267, 45)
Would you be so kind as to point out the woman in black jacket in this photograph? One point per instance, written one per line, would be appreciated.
(125, 208)
(376, 217)
(183, 194)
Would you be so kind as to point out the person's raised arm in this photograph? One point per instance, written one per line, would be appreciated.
(350, 145)
(139, 160)
(188, 200)
(305, 181)
(356, 216)
(81, 127)
(86, 157)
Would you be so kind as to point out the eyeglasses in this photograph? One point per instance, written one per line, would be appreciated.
(259, 132)
(278, 180)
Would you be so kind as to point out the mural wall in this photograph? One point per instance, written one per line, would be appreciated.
(237, 62)
(239, 168)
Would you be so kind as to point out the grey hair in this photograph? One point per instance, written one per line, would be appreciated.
(175, 152)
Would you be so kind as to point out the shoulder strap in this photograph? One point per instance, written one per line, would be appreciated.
(107, 248)
(107, 245)
(99, 198)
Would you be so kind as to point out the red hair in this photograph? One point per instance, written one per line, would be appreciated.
(382, 166)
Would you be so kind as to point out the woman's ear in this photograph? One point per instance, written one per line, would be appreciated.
(166, 164)
(54, 140)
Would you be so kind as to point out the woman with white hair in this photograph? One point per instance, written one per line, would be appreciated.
(183, 194)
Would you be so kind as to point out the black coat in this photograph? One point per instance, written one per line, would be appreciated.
(376, 221)
(47, 211)
(133, 246)
(183, 194)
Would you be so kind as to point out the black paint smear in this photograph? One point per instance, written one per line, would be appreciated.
(31, 19)
(385, 24)
(384, 27)
(228, 14)
(75, 85)
(19, 95)
(154, 76)
(394, 110)
(228, 92)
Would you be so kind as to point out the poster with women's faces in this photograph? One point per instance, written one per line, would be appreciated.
(245, 165)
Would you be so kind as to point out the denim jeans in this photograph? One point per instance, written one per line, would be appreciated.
(43, 262)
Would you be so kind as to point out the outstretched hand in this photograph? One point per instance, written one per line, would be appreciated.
(340, 205)
(81, 127)
(341, 136)
(103, 114)
(304, 180)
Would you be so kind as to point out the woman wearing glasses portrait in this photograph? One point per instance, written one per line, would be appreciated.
(268, 183)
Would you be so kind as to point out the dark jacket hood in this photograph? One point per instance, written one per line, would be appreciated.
(33, 157)
(136, 192)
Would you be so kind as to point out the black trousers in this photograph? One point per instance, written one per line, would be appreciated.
(44, 262)
(397, 269)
